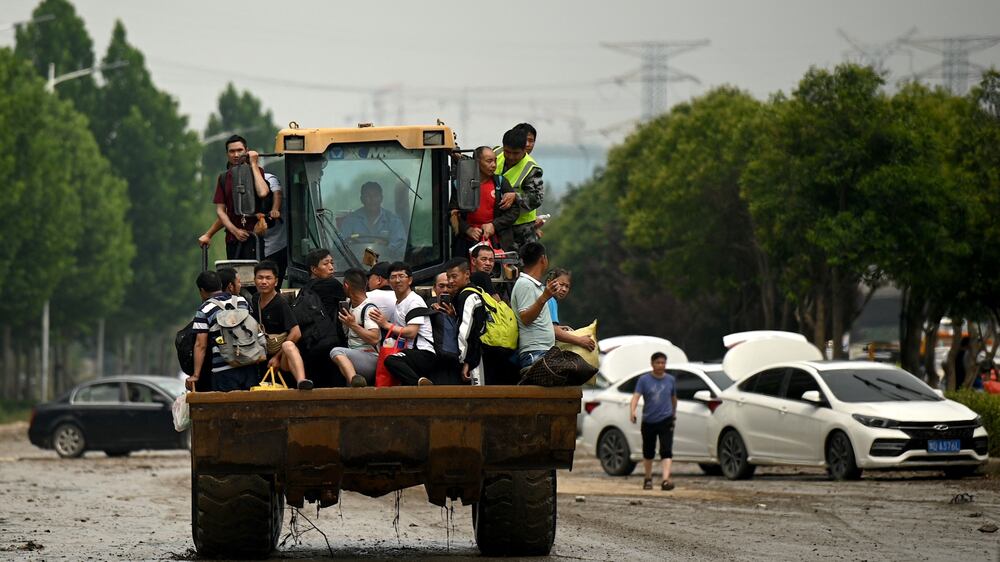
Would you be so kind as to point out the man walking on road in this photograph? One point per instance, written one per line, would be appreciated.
(657, 389)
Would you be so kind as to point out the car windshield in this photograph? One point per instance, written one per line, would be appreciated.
(173, 387)
(877, 385)
(361, 196)
(720, 378)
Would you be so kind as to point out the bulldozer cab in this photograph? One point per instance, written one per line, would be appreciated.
(370, 194)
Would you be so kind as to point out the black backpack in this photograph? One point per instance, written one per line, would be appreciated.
(318, 328)
(184, 343)
(246, 203)
(445, 331)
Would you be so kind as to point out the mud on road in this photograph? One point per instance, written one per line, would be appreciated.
(139, 508)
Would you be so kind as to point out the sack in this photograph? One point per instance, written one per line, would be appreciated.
(240, 341)
(501, 323)
(558, 368)
(272, 384)
(444, 330)
(182, 413)
(390, 346)
(318, 329)
(274, 342)
(591, 357)
(244, 191)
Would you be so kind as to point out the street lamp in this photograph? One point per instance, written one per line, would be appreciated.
(53, 80)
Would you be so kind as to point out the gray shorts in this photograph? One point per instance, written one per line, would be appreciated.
(363, 361)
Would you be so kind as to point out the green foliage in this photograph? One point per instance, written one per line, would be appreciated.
(15, 410)
(149, 145)
(987, 406)
(63, 41)
(242, 114)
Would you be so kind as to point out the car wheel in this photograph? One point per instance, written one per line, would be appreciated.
(840, 462)
(710, 469)
(733, 457)
(117, 453)
(68, 441)
(956, 472)
(614, 453)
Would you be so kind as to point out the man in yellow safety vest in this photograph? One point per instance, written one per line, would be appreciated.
(525, 176)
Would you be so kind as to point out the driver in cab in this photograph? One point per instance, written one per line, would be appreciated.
(373, 226)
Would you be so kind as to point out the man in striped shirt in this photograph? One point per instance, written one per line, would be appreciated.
(224, 376)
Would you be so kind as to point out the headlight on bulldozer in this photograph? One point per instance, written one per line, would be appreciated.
(295, 142)
(433, 138)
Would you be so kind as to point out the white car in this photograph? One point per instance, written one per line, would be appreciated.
(792, 408)
(617, 443)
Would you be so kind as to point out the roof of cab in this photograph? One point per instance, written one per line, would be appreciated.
(410, 136)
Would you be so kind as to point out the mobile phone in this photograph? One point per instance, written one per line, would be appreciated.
(444, 299)
(345, 307)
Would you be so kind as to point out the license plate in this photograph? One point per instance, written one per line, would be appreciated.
(944, 445)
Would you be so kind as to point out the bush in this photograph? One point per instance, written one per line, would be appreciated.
(15, 410)
(988, 407)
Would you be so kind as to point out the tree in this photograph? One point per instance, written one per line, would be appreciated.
(242, 114)
(149, 145)
(685, 217)
(64, 42)
(809, 192)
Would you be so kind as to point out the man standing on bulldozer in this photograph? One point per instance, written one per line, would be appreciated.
(525, 176)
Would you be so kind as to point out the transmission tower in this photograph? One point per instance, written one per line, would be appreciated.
(654, 72)
(955, 68)
(874, 54)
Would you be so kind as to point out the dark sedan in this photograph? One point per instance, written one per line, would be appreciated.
(116, 415)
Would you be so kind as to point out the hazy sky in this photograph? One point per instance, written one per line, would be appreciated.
(424, 55)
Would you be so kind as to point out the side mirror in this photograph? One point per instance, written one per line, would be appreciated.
(939, 392)
(467, 184)
(813, 397)
(703, 396)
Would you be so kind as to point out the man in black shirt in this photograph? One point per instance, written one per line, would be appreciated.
(331, 293)
(279, 325)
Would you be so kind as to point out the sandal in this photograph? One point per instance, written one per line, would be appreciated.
(647, 484)
(667, 485)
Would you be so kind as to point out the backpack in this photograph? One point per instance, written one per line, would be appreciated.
(501, 323)
(246, 203)
(243, 342)
(318, 329)
(184, 344)
(445, 331)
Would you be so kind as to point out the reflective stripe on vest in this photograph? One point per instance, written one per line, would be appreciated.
(515, 177)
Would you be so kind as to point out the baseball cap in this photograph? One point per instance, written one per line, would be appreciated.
(381, 269)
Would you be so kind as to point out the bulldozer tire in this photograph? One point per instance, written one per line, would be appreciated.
(236, 516)
(516, 513)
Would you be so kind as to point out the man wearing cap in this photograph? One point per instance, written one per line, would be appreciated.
(380, 293)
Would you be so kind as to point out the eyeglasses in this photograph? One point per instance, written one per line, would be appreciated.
(398, 276)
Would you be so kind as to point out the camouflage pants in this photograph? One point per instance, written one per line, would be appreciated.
(524, 233)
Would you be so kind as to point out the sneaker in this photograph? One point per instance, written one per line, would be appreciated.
(667, 485)
(304, 384)
(357, 381)
(647, 484)
(424, 381)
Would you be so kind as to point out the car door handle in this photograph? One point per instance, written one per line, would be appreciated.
(783, 410)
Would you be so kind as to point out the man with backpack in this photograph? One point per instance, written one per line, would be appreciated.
(418, 363)
(240, 193)
(226, 335)
(482, 319)
(315, 308)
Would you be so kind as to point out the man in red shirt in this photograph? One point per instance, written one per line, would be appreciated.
(494, 219)
(241, 243)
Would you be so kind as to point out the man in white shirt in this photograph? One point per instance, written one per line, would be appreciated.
(417, 363)
(357, 361)
(379, 291)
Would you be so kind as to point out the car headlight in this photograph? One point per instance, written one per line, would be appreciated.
(872, 421)
(978, 421)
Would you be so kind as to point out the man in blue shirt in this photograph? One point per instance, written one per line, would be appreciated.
(659, 395)
(372, 224)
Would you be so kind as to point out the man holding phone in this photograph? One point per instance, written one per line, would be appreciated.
(357, 361)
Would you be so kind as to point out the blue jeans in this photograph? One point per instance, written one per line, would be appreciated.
(528, 358)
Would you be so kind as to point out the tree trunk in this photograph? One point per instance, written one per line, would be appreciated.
(930, 346)
(838, 311)
(956, 341)
(99, 360)
(910, 323)
(9, 364)
(819, 316)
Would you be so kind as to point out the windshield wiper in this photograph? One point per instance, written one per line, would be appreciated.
(878, 387)
(326, 222)
(906, 388)
(401, 178)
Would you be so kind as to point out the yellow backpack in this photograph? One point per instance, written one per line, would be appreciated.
(501, 324)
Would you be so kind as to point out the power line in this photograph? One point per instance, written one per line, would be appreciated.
(874, 55)
(654, 72)
(955, 68)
